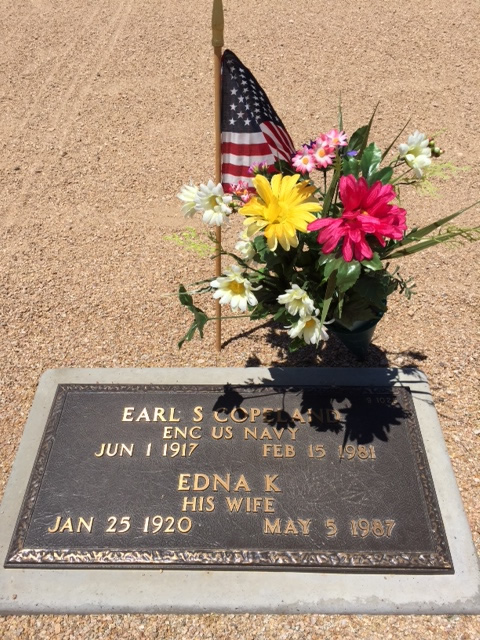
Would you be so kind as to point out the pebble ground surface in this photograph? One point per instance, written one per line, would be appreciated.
(107, 109)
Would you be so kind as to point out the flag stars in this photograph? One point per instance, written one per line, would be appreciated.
(233, 92)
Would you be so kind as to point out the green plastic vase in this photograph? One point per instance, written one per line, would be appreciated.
(358, 337)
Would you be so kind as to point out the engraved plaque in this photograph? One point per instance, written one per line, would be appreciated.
(254, 477)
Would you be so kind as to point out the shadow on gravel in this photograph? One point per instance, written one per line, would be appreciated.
(331, 353)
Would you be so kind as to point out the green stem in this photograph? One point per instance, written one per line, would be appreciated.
(400, 177)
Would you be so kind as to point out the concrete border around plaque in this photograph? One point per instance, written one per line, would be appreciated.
(201, 590)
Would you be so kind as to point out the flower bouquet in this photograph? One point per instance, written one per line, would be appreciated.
(321, 234)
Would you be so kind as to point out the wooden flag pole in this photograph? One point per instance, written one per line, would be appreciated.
(217, 43)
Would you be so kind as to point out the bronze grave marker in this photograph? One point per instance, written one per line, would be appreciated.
(235, 476)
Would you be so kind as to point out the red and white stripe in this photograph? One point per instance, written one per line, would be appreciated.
(241, 150)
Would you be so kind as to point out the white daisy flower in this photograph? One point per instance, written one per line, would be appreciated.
(296, 301)
(308, 328)
(416, 152)
(234, 289)
(245, 247)
(214, 203)
(188, 195)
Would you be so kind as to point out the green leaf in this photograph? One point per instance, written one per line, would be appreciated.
(370, 160)
(359, 138)
(466, 234)
(340, 113)
(199, 317)
(384, 176)
(351, 166)
(259, 312)
(328, 297)
(395, 139)
(375, 264)
(184, 297)
(417, 234)
(332, 265)
(347, 275)
(280, 314)
(327, 201)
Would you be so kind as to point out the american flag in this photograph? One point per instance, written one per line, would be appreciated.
(251, 130)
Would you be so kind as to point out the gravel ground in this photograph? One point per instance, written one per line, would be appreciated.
(106, 109)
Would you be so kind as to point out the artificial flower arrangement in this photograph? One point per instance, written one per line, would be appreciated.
(312, 257)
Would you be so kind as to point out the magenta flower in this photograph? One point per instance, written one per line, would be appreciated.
(366, 211)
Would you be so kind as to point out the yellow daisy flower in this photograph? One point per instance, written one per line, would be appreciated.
(280, 209)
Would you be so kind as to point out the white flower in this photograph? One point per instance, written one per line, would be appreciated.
(212, 200)
(245, 247)
(296, 301)
(188, 195)
(416, 152)
(234, 289)
(308, 328)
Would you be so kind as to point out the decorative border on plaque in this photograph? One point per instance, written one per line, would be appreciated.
(436, 562)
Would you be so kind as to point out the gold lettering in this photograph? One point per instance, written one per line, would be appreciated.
(266, 434)
(215, 415)
(222, 432)
(199, 503)
(217, 480)
(100, 453)
(305, 524)
(198, 412)
(250, 432)
(143, 415)
(238, 409)
(183, 479)
(126, 449)
(254, 413)
(149, 449)
(67, 526)
(298, 416)
(83, 523)
(172, 416)
(268, 415)
(313, 414)
(190, 503)
(271, 527)
(268, 505)
(242, 484)
(291, 528)
(333, 415)
(270, 483)
(127, 414)
(54, 529)
(159, 414)
(197, 478)
(234, 504)
(293, 432)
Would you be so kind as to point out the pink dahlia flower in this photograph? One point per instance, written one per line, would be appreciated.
(366, 210)
(337, 138)
(303, 160)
